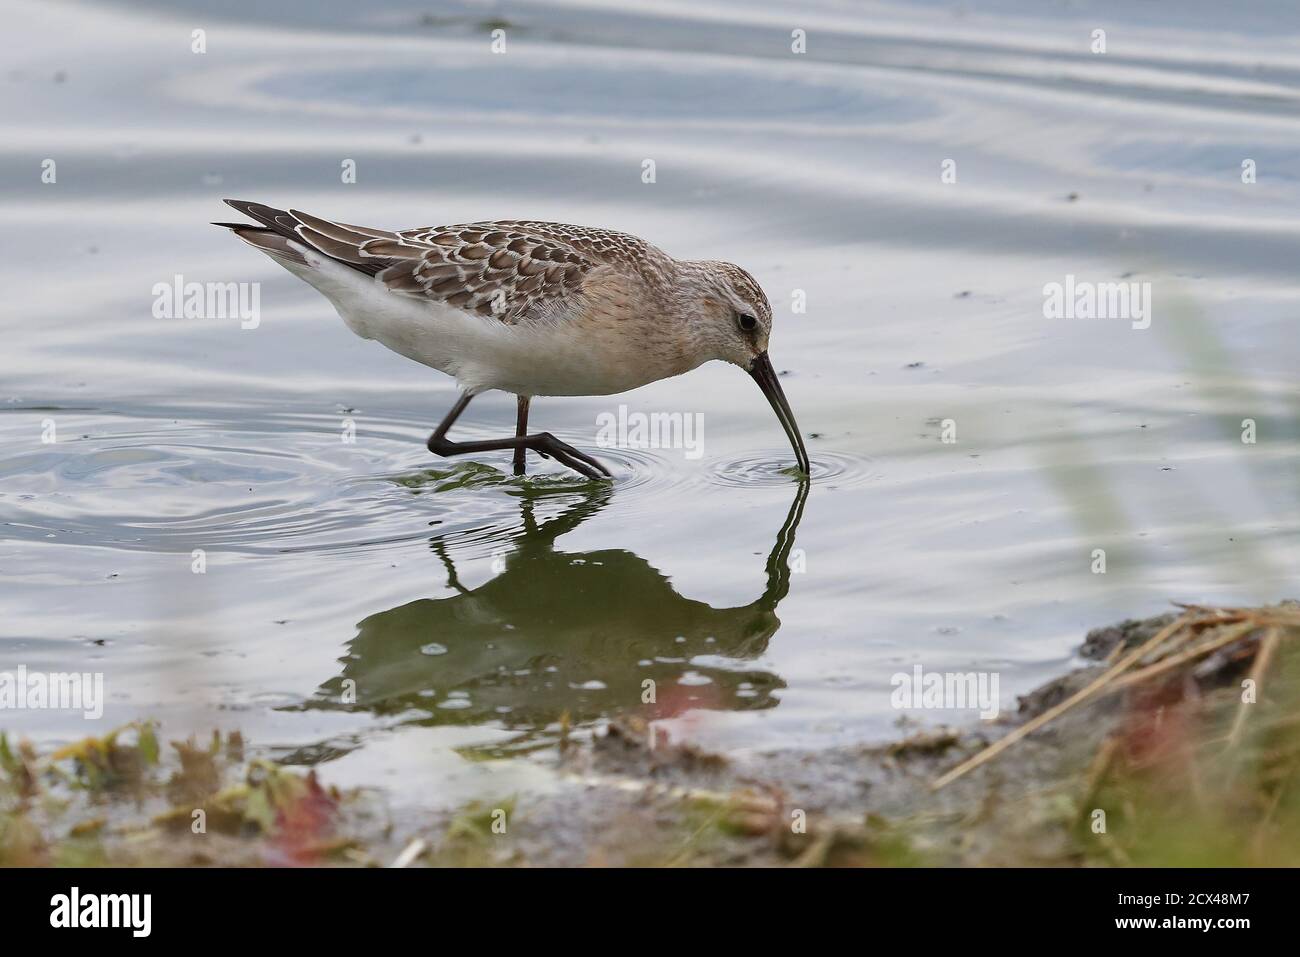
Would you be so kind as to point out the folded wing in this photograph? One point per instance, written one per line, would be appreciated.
(514, 271)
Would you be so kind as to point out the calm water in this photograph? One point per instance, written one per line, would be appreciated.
(471, 610)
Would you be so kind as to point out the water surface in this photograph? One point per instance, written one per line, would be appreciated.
(430, 625)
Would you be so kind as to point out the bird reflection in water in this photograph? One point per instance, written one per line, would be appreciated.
(558, 633)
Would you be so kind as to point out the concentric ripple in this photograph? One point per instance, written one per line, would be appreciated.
(777, 468)
(284, 483)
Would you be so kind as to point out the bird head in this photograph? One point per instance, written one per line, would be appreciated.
(733, 321)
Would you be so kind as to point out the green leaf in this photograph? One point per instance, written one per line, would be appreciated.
(148, 743)
(7, 759)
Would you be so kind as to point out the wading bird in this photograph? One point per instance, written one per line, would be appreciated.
(530, 308)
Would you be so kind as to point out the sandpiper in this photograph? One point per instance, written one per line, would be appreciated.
(530, 308)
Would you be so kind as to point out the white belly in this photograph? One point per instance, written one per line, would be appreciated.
(541, 358)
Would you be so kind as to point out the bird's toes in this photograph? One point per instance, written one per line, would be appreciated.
(549, 446)
(579, 463)
(586, 470)
(581, 456)
(598, 465)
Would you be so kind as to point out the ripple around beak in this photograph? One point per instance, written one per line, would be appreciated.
(774, 470)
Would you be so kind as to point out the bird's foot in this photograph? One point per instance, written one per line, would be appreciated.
(548, 446)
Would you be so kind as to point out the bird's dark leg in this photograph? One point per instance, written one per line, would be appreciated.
(521, 429)
(543, 443)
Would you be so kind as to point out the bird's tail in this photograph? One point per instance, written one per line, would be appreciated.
(268, 240)
(273, 236)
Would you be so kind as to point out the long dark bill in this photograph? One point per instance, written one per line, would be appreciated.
(762, 372)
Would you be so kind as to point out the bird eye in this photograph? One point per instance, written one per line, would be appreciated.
(747, 323)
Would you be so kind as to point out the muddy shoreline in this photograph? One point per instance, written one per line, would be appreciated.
(1157, 707)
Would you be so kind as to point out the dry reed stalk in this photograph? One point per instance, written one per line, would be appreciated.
(1029, 727)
